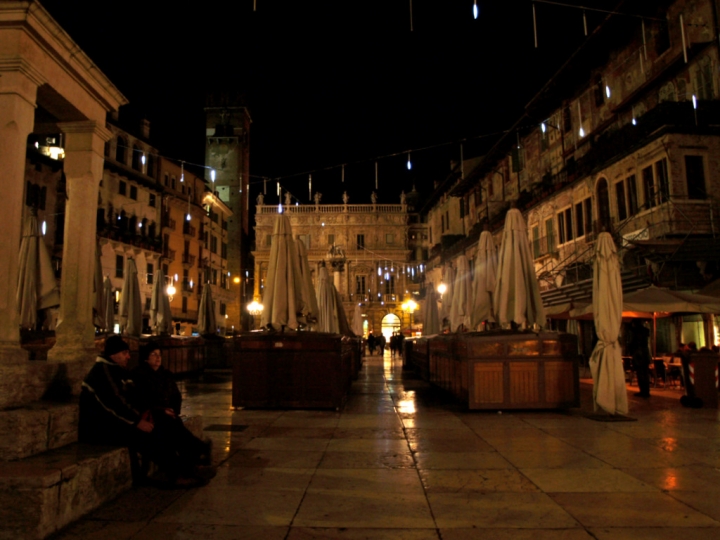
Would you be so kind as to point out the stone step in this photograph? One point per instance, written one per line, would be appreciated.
(36, 428)
(43, 493)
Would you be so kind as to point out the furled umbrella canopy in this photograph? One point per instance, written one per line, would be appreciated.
(36, 286)
(609, 392)
(327, 304)
(357, 324)
(98, 292)
(431, 319)
(461, 306)
(281, 295)
(206, 312)
(109, 304)
(130, 303)
(484, 281)
(309, 306)
(517, 294)
(160, 314)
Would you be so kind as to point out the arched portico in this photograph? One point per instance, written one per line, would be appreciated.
(48, 85)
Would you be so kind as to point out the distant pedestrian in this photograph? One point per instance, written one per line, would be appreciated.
(371, 343)
(639, 348)
(381, 344)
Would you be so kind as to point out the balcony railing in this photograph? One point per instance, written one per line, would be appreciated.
(168, 223)
(335, 209)
(188, 230)
(169, 254)
(188, 259)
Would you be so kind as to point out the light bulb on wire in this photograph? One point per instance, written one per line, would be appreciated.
(475, 10)
(212, 175)
(543, 127)
(409, 163)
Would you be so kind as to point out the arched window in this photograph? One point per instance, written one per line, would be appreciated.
(136, 155)
(603, 203)
(121, 150)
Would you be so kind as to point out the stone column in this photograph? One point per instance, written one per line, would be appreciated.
(18, 91)
(84, 149)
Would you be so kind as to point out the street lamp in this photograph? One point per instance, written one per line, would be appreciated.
(410, 306)
(170, 291)
(255, 308)
(441, 288)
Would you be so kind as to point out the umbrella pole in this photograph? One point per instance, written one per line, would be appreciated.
(654, 352)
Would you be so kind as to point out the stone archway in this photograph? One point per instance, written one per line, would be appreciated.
(390, 323)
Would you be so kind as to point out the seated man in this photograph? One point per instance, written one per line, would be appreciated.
(107, 415)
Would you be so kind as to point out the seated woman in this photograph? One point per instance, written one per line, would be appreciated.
(156, 392)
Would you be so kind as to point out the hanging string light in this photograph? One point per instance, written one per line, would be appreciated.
(475, 10)
(682, 35)
(409, 163)
(264, 186)
(310, 187)
(342, 174)
(607, 91)
(142, 158)
(182, 171)
(535, 25)
(411, 16)
(582, 130)
(376, 175)
(212, 175)
(187, 216)
(585, 22)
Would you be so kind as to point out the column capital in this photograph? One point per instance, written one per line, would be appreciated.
(85, 127)
(21, 65)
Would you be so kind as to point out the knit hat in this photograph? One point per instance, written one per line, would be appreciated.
(115, 344)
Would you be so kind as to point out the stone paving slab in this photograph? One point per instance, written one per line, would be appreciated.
(403, 461)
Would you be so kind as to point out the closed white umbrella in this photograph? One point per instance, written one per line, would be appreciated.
(130, 303)
(109, 304)
(609, 392)
(461, 305)
(431, 319)
(484, 281)
(517, 294)
(206, 312)
(281, 295)
(98, 292)
(309, 306)
(36, 286)
(327, 304)
(447, 296)
(357, 324)
(160, 314)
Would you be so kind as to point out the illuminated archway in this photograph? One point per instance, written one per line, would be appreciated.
(390, 324)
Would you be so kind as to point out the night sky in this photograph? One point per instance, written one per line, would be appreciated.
(330, 82)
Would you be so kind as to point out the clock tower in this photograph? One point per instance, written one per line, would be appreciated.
(227, 156)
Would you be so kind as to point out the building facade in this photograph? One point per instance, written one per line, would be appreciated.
(367, 249)
(622, 139)
(129, 211)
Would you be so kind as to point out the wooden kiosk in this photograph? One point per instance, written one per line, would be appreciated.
(503, 369)
(294, 370)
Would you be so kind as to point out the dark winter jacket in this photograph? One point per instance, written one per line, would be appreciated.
(106, 413)
(155, 389)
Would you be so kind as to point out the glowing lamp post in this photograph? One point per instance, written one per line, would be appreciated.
(170, 291)
(410, 306)
(255, 309)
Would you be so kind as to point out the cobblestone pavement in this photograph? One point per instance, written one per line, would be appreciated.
(403, 461)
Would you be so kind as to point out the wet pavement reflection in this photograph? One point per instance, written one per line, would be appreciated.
(402, 460)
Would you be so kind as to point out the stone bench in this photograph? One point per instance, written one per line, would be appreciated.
(47, 479)
(43, 493)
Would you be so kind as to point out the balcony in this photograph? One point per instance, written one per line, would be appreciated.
(189, 230)
(188, 259)
(168, 223)
(188, 287)
(169, 254)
